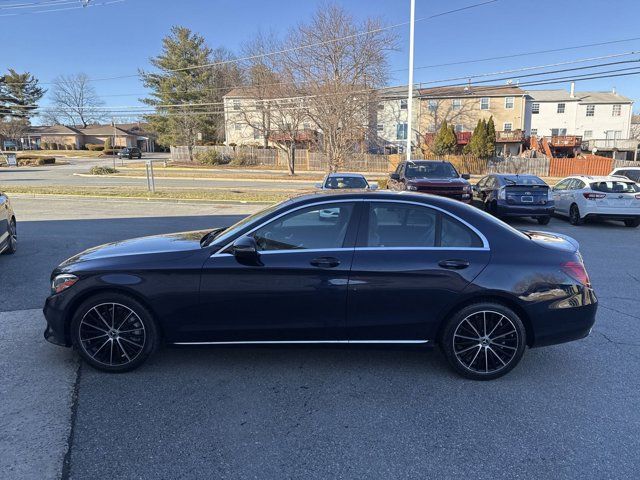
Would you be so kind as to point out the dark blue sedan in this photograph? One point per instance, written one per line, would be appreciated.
(512, 195)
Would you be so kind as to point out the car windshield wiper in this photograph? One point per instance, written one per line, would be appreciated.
(209, 237)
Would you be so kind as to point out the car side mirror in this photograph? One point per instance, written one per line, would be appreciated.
(245, 249)
(394, 176)
(475, 188)
(373, 186)
(465, 176)
(318, 185)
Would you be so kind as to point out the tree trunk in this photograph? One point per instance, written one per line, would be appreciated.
(292, 159)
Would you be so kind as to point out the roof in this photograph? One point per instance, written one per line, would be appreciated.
(397, 92)
(602, 97)
(597, 178)
(551, 96)
(103, 130)
(54, 130)
(345, 174)
(472, 91)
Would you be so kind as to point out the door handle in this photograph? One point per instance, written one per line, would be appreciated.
(325, 262)
(454, 264)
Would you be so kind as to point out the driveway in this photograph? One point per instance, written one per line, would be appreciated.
(568, 411)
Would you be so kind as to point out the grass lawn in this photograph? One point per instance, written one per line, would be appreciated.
(62, 153)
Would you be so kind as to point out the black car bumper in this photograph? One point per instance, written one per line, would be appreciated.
(56, 331)
(507, 210)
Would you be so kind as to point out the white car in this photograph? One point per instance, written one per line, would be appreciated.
(580, 197)
(632, 173)
(341, 181)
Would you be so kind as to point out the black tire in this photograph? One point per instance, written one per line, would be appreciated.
(140, 157)
(12, 230)
(632, 222)
(544, 220)
(110, 350)
(574, 215)
(483, 341)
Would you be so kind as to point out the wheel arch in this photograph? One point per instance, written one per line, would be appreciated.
(75, 304)
(493, 297)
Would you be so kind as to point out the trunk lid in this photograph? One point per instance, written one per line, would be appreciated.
(553, 241)
(527, 194)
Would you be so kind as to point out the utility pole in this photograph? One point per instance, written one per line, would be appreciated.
(410, 89)
(113, 148)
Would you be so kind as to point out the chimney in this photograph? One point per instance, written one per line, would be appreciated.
(613, 90)
(573, 90)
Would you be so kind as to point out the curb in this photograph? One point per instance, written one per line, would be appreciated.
(141, 199)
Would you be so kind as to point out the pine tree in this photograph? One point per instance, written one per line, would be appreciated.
(490, 140)
(445, 141)
(478, 141)
(19, 95)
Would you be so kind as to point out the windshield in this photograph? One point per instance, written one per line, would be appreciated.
(528, 180)
(615, 187)
(430, 170)
(226, 234)
(339, 183)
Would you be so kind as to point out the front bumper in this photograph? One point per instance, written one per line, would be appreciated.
(56, 330)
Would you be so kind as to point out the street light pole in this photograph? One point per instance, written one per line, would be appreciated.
(410, 89)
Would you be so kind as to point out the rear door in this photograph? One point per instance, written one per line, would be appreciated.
(410, 264)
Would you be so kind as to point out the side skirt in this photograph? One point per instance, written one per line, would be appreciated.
(291, 342)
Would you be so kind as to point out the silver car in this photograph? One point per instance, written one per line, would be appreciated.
(8, 227)
(340, 181)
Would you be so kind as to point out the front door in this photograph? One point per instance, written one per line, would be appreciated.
(4, 221)
(410, 265)
(296, 292)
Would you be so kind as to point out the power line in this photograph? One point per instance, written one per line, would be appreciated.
(52, 10)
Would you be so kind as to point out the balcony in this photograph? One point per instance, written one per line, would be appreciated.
(609, 144)
(511, 136)
(565, 141)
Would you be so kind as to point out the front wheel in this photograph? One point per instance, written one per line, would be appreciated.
(483, 341)
(574, 215)
(114, 332)
(632, 223)
(12, 232)
(544, 220)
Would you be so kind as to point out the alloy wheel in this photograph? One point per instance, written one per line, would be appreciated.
(485, 342)
(13, 236)
(112, 334)
(574, 215)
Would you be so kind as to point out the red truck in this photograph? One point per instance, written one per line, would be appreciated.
(431, 176)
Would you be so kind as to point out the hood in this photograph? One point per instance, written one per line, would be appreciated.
(553, 240)
(168, 243)
(438, 181)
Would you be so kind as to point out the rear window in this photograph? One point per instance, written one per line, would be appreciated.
(345, 182)
(615, 187)
(515, 180)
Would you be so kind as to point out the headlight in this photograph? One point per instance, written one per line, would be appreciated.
(502, 193)
(62, 282)
(413, 188)
(467, 189)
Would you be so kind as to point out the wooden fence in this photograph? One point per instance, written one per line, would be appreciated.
(365, 162)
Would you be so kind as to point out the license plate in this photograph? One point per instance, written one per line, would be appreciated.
(526, 199)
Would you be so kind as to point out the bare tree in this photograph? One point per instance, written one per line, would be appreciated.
(74, 101)
(13, 128)
(347, 62)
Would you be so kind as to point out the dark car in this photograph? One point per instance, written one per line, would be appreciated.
(389, 268)
(130, 152)
(507, 195)
(8, 226)
(431, 176)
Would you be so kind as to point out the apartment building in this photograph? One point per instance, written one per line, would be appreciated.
(599, 122)
(391, 120)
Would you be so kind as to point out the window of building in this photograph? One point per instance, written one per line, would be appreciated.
(459, 128)
(535, 108)
(256, 133)
(534, 132)
(507, 127)
(306, 126)
(591, 110)
(236, 104)
(617, 110)
(484, 103)
(561, 108)
(237, 126)
(555, 132)
(381, 106)
(587, 134)
(433, 105)
(401, 131)
(403, 104)
(457, 104)
(508, 102)
(380, 127)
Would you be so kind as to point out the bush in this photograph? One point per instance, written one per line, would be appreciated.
(93, 147)
(243, 159)
(45, 145)
(102, 171)
(111, 151)
(70, 147)
(382, 183)
(210, 157)
(30, 160)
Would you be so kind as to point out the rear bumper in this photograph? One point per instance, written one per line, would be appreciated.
(560, 325)
(609, 213)
(55, 331)
(509, 210)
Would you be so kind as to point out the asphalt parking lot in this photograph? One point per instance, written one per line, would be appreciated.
(567, 411)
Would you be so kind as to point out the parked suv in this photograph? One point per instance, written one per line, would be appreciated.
(431, 176)
(130, 152)
(632, 173)
(582, 197)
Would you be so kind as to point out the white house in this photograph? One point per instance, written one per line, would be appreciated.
(391, 119)
(600, 121)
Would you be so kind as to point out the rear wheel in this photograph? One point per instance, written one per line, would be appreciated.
(12, 231)
(114, 332)
(543, 220)
(484, 341)
(632, 223)
(574, 215)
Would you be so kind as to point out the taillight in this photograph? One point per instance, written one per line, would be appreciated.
(638, 196)
(593, 196)
(577, 271)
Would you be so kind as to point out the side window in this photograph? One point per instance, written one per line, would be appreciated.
(401, 225)
(455, 234)
(634, 175)
(317, 227)
(482, 182)
(562, 185)
(578, 185)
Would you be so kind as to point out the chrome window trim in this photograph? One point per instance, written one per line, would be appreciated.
(485, 242)
(301, 342)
